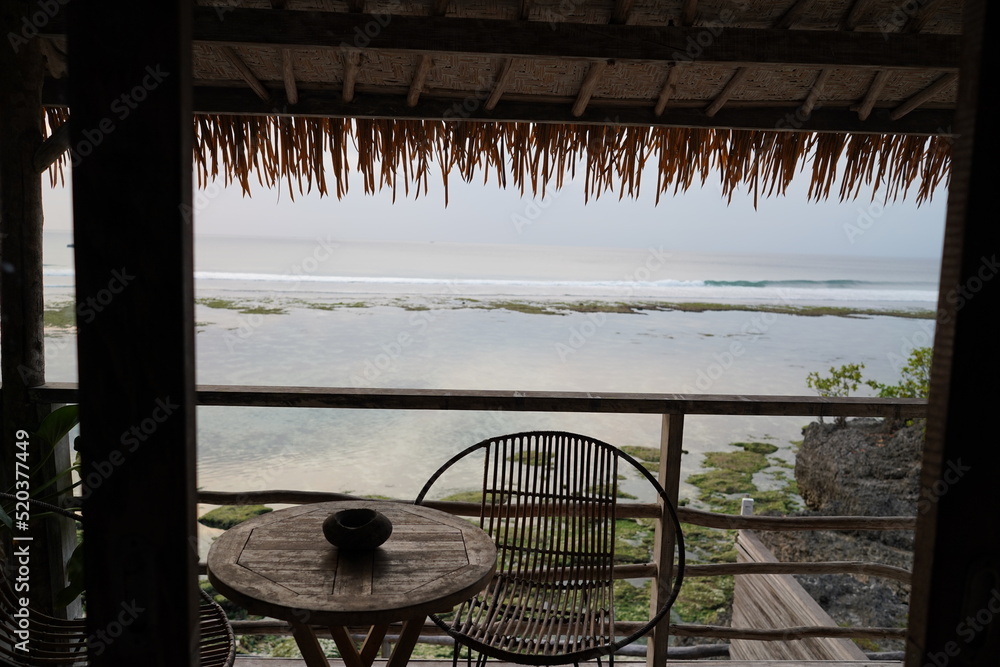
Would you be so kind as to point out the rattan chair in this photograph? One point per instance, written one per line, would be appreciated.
(550, 503)
(55, 641)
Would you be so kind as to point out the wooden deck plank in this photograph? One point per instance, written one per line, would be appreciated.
(251, 661)
(776, 601)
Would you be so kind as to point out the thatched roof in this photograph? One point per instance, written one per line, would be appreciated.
(857, 94)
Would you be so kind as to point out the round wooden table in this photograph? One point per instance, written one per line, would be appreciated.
(279, 565)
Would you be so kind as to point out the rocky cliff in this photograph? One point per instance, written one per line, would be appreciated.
(866, 468)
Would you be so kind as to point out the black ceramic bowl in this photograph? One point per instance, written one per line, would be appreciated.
(359, 528)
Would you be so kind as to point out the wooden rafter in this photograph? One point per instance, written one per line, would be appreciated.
(689, 12)
(588, 86)
(351, 59)
(734, 84)
(503, 78)
(853, 17)
(793, 14)
(288, 74)
(246, 73)
(786, 21)
(817, 89)
(668, 89)
(622, 10)
(52, 148)
(871, 96)
(419, 77)
(943, 82)
(922, 15)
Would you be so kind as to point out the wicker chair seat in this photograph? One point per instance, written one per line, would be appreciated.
(56, 641)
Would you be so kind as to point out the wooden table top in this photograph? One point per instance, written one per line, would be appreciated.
(279, 564)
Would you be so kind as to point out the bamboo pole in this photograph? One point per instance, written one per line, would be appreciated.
(21, 294)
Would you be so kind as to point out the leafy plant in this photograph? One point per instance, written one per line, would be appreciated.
(56, 425)
(841, 382)
(915, 377)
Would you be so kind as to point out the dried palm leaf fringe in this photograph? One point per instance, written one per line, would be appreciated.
(301, 154)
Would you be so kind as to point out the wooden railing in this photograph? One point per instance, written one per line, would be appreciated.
(672, 407)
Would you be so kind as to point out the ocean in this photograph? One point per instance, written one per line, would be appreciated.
(328, 313)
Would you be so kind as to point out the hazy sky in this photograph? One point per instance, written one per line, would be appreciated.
(698, 221)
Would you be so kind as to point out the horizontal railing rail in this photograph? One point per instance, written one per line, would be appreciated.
(674, 407)
(626, 510)
(531, 401)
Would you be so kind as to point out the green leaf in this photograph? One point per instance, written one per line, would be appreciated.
(58, 423)
(74, 572)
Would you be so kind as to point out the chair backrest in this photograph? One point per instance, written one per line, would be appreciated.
(549, 500)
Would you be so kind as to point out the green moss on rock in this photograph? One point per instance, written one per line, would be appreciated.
(60, 315)
(227, 516)
(651, 454)
(744, 462)
(758, 447)
(723, 481)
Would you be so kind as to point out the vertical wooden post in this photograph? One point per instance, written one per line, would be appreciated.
(664, 542)
(21, 295)
(131, 149)
(956, 581)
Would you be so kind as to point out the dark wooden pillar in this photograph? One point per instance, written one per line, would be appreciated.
(21, 297)
(131, 143)
(955, 608)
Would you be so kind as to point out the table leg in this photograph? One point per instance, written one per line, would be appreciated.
(372, 644)
(312, 653)
(348, 651)
(408, 637)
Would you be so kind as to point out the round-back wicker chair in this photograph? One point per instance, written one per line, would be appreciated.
(550, 502)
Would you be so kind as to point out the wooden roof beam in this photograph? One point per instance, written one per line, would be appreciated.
(506, 70)
(587, 88)
(735, 46)
(288, 74)
(871, 97)
(829, 118)
(733, 85)
(943, 82)
(246, 73)
(419, 77)
(351, 59)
